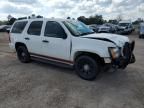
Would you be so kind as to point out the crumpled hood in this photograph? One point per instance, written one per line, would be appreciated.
(119, 40)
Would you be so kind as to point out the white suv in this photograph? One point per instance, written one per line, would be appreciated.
(70, 43)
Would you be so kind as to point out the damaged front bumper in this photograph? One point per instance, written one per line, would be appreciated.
(127, 57)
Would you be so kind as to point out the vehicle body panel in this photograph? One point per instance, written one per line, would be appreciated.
(57, 47)
(34, 42)
(66, 49)
(104, 29)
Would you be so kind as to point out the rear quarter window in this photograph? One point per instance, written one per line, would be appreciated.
(19, 27)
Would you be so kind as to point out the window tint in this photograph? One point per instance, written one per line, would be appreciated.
(54, 29)
(19, 27)
(35, 28)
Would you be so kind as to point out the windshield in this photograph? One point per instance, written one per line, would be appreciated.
(78, 28)
(123, 24)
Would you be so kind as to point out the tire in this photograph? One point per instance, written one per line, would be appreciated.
(86, 67)
(23, 54)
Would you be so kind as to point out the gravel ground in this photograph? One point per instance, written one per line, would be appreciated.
(39, 85)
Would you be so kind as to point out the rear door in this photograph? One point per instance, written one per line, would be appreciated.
(33, 38)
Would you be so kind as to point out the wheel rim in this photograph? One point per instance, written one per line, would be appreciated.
(86, 69)
(22, 55)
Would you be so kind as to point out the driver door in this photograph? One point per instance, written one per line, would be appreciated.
(56, 43)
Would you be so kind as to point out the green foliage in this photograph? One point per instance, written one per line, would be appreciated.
(113, 21)
(3, 22)
(97, 19)
(11, 21)
(137, 22)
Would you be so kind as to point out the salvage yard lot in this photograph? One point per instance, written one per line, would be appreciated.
(40, 85)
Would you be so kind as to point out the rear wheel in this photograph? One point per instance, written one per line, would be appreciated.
(23, 54)
(86, 67)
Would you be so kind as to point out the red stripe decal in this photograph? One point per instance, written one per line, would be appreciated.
(57, 59)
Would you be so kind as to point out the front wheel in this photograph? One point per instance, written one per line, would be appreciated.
(86, 67)
(23, 54)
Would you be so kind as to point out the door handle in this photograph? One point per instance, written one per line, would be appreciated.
(27, 38)
(45, 41)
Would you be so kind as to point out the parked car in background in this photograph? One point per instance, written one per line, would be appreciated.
(94, 27)
(125, 27)
(141, 30)
(8, 28)
(113, 28)
(104, 29)
(5, 28)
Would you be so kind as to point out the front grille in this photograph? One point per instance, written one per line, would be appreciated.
(127, 51)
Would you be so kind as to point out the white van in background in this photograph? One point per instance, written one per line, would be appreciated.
(141, 30)
(126, 27)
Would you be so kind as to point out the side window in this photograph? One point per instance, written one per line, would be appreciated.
(35, 28)
(54, 29)
(19, 27)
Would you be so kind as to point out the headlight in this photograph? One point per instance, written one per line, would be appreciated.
(114, 52)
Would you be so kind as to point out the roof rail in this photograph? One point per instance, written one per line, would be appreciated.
(30, 17)
(21, 18)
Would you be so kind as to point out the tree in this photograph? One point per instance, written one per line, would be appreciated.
(11, 21)
(97, 19)
(82, 19)
(138, 21)
(3, 22)
(113, 21)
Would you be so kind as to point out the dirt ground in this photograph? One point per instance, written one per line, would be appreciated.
(39, 85)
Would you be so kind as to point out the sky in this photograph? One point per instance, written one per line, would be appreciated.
(110, 9)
